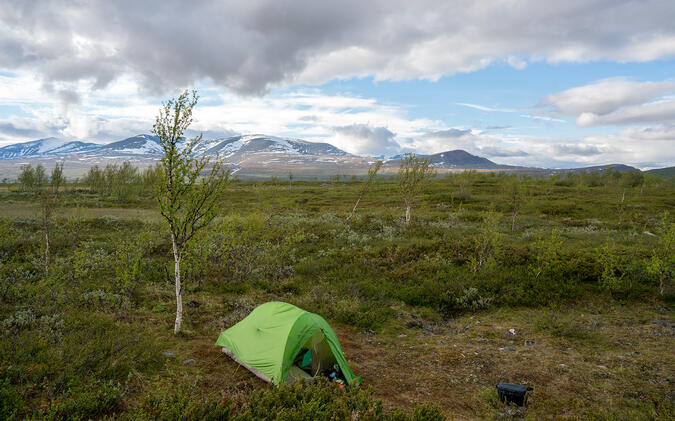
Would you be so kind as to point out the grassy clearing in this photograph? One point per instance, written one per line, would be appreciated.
(423, 311)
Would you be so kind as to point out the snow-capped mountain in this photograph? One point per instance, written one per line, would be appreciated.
(142, 144)
(50, 146)
(233, 149)
(239, 147)
(259, 155)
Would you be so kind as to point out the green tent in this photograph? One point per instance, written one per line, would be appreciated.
(276, 335)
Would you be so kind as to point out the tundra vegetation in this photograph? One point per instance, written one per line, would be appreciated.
(562, 283)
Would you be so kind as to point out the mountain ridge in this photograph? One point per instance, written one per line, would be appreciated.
(49, 146)
(260, 152)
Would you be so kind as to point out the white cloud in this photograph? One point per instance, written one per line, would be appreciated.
(113, 113)
(543, 118)
(484, 108)
(661, 132)
(366, 140)
(251, 47)
(650, 113)
(572, 150)
(606, 96)
(640, 147)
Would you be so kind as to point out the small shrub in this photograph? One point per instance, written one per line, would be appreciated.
(428, 413)
(11, 403)
(562, 325)
(662, 262)
(168, 402)
(20, 320)
(159, 309)
(472, 300)
(103, 300)
(546, 251)
(612, 276)
(486, 242)
(559, 209)
(51, 326)
(91, 401)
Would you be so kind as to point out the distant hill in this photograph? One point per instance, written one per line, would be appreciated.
(257, 155)
(455, 159)
(601, 168)
(234, 149)
(665, 173)
(463, 159)
(47, 147)
(142, 144)
(238, 148)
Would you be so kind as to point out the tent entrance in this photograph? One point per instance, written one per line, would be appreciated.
(320, 357)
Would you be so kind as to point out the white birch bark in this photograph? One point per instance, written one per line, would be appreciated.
(179, 293)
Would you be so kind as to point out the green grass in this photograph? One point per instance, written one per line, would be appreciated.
(89, 338)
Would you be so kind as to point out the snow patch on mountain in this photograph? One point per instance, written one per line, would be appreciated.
(50, 146)
(234, 149)
(138, 145)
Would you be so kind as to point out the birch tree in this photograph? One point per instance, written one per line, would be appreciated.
(413, 174)
(514, 193)
(372, 173)
(187, 199)
(48, 202)
(662, 263)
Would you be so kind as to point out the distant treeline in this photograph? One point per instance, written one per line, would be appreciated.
(122, 182)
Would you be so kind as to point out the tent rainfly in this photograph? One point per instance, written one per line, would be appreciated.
(275, 335)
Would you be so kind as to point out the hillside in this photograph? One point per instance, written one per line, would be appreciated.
(665, 173)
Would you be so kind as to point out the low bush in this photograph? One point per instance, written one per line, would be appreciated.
(320, 401)
(88, 402)
(11, 403)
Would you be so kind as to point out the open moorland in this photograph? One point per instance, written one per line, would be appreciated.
(562, 283)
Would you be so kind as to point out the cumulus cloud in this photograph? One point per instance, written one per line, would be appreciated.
(507, 149)
(250, 47)
(367, 140)
(660, 132)
(641, 147)
(606, 96)
(11, 129)
(653, 112)
(616, 101)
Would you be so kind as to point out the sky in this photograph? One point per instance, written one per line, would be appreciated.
(547, 84)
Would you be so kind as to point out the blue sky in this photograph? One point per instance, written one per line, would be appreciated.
(526, 83)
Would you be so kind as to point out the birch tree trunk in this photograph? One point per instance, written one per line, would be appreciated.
(179, 292)
(354, 208)
(407, 213)
(46, 247)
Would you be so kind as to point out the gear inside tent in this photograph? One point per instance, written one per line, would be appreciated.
(281, 343)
